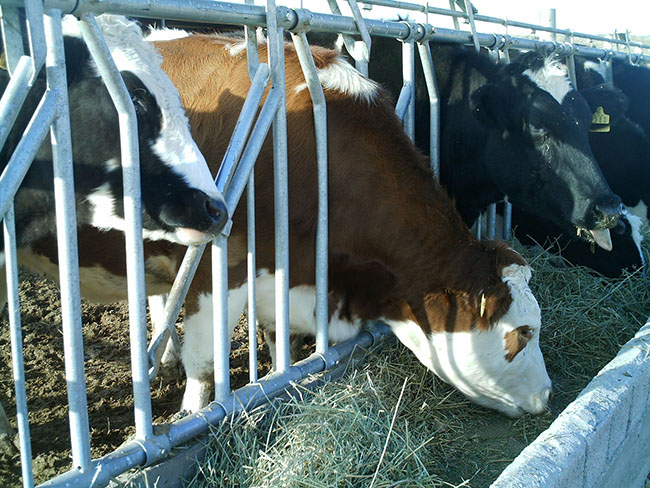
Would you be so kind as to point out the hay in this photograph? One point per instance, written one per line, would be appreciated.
(337, 435)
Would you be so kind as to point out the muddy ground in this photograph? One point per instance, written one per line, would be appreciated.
(108, 377)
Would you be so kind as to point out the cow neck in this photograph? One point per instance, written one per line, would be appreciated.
(425, 245)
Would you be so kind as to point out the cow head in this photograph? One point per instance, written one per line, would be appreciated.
(538, 150)
(180, 200)
(484, 342)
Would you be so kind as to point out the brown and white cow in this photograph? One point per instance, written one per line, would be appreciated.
(399, 251)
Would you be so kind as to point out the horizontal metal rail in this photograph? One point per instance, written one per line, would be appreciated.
(239, 14)
(495, 20)
(246, 398)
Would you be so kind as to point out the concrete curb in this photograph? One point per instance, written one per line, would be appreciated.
(602, 439)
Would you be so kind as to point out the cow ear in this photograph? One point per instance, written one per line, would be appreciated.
(614, 102)
(366, 285)
(489, 105)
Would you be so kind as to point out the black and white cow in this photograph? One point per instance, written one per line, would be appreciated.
(519, 130)
(623, 153)
(180, 201)
(624, 150)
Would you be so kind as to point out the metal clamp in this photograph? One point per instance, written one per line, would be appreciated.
(428, 32)
(413, 31)
(305, 19)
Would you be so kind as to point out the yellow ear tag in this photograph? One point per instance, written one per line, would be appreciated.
(599, 121)
(3, 61)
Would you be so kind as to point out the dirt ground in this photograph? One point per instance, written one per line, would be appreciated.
(108, 377)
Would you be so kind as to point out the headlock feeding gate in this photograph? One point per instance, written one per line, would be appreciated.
(43, 25)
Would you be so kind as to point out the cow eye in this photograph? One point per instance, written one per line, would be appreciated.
(525, 332)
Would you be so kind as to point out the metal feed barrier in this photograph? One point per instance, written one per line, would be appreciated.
(46, 48)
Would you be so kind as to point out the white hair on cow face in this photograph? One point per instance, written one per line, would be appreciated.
(174, 146)
(552, 78)
(478, 363)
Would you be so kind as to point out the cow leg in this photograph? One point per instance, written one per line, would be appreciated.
(171, 357)
(197, 350)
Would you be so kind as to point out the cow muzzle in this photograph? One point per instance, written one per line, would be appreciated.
(605, 217)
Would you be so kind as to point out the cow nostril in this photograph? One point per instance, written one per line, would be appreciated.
(215, 209)
(609, 209)
(550, 395)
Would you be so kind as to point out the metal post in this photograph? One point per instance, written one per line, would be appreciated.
(507, 218)
(18, 364)
(280, 190)
(470, 16)
(552, 22)
(66, 230)
(12, 38)
(491, 231)
(434, 107)
(408, 76)
(322, 231)
(221, 336)
(359, 50)
(133, 219)
(251, 261)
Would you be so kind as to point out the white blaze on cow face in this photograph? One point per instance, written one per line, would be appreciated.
(552, 78)
(477, 362)
(174, 146)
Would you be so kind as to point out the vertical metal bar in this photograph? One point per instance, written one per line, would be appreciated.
(12, 38)
(36, 34)
(251, 259)
(408, 77)
(507, 218)
(479, 226)
(362, 48)
(24, 68)
(434, 108)
(322, 232)
(472, 24)
(133, 218)
(491, 231)
(66, 230)
(359, 50)
(507, 206)
(251, 313)
(280, 190)
(452, 5)
(18, 364)
(221, 337)
(552, 22)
